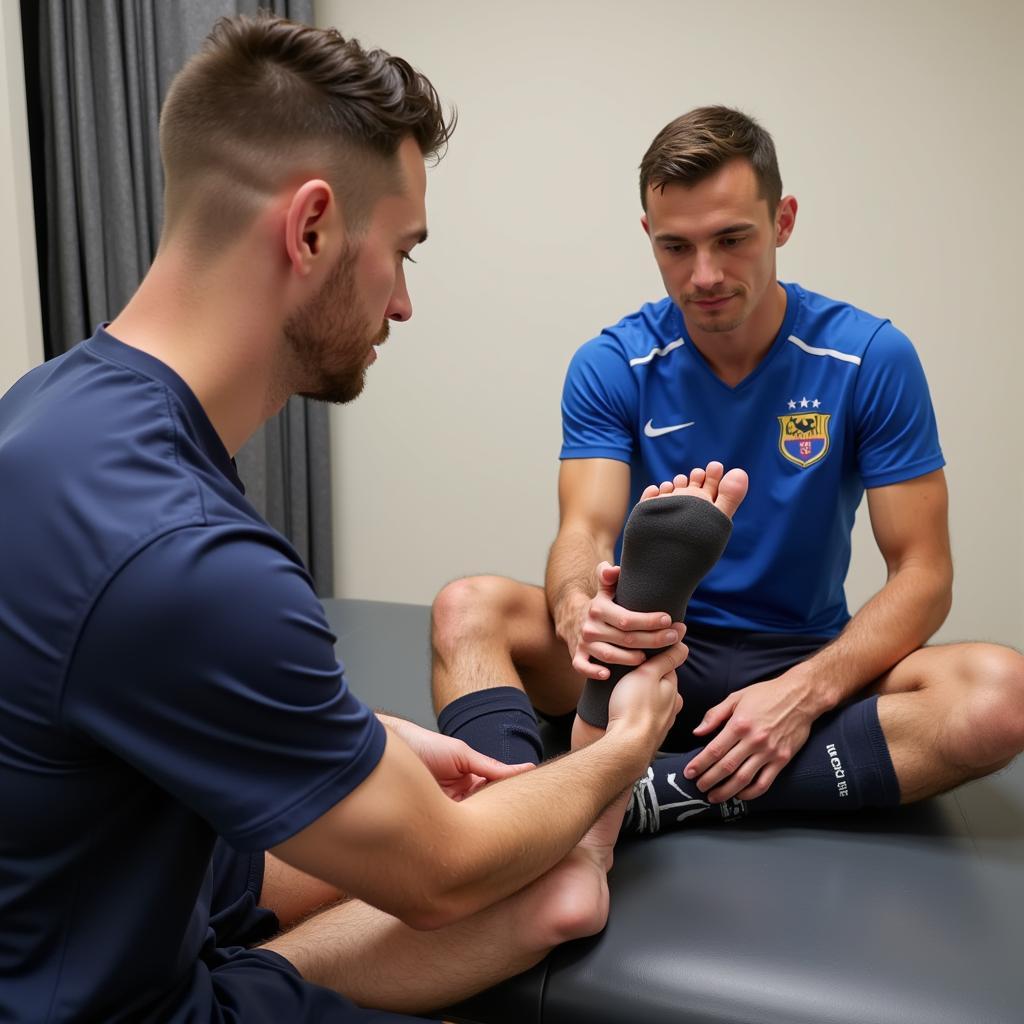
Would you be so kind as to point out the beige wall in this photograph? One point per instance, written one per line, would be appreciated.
(896, 126)
(21, 344)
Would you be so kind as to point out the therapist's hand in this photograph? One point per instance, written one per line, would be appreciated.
(459, 769)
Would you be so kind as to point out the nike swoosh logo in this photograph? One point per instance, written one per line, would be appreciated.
(652, 431)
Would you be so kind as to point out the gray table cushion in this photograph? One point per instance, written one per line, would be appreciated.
(913, 916)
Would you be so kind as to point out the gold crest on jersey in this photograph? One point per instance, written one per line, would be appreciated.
(803, 437)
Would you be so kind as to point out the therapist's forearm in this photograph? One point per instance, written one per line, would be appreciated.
(504, 848)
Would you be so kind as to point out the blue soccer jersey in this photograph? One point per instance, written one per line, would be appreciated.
(167, 676)
(838, 404)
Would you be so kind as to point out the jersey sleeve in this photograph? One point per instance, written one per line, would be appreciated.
(897, 436)
(598, 404)
(208, 665)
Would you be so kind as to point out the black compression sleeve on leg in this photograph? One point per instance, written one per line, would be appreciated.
(669, 545)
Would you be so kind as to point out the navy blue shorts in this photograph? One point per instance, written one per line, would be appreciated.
(258, 986)
(722, 661)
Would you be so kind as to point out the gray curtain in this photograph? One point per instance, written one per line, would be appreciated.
(100, 70)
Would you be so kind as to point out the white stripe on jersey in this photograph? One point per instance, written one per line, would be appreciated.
(640, 360)
(812, 351)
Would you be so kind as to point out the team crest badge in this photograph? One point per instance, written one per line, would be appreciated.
(803, 437)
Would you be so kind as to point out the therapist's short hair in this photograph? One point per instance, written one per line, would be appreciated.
(266, 100)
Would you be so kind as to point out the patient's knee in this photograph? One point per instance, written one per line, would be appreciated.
(473, 608)
(995, 704)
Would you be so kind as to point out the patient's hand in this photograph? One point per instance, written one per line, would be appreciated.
(762, 728)
(610, 633)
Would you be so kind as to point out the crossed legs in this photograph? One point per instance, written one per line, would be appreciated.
(948, 713)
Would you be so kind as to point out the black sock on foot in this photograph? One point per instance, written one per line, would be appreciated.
(499, 722)
(843, 766)
(669, 545)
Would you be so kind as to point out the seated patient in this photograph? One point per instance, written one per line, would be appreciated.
(788, 700)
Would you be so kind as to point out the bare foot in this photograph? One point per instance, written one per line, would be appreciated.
(570, 901)
(725, 491)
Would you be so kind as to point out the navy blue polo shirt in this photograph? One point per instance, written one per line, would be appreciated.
(167, 676)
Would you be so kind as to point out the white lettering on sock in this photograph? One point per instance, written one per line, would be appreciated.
(837, 767)
(732, 809)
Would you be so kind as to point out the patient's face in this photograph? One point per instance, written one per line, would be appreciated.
(714, 243)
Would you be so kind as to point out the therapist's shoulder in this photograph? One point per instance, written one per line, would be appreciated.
(229, 594)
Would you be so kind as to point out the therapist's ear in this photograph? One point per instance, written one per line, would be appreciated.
(310, 221)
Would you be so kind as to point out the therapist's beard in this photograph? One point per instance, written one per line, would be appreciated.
(330, 340)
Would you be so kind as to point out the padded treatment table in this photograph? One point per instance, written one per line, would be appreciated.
(911, 916)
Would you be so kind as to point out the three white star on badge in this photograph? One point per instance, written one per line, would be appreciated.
(804, 403)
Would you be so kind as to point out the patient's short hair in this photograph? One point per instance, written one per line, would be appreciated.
(695, 145)
(267, 100)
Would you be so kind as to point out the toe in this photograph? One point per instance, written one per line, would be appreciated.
(650, 491)
(697, 478)
(731, 492)
(713, 477)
